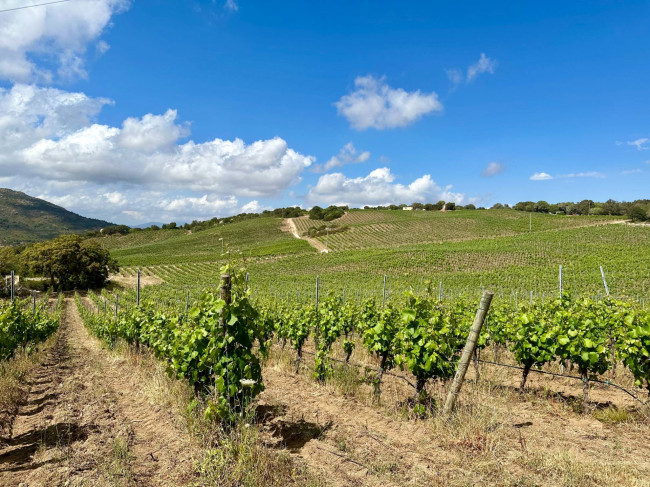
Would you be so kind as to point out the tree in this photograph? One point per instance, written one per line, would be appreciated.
(469, 207)
(439, 205)
(451, 206)
(542, 207)
(585, 206)
(116, 229)
(10, 260)
(611, 207)
(525, 206)
(316, 213)
(417, 206)
(497, 206)
(169, 226)
(636, 212)
(70, 262)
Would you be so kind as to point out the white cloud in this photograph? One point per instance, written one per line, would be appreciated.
(47, 133)
(152, 132)
(374, 104)
(640, 144)
(631, 171)
(205, 205)
(493, 169)
(377, 188)
(455, 76)
(102, 47)
(483, 65)
(589, 174)
(232, 5)
(541, 176)
(347, 155)
(57, 34)
(253, 207)
(50, 146)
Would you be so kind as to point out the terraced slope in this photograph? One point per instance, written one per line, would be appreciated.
(394, 228)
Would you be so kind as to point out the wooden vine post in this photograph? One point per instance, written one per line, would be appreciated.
(225, 293)
(137, 299)
(468, 351)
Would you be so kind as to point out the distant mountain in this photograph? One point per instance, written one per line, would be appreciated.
(24, 219)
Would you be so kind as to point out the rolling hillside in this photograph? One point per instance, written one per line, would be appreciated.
(259, 237)
(24, 219)
(393, 228)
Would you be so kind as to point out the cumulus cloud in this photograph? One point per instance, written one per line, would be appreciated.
(541, 176)
(493, 169)
(51, 137)
(375, 104)
(377, 188)
(232, 5)
(347, 155)
(483, 65)
(640, 144)
(47, 133)
(57, 34)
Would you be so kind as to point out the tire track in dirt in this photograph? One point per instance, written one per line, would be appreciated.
(86, 421)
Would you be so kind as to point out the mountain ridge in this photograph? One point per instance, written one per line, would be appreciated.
(26, 219)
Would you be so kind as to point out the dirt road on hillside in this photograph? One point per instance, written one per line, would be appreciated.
(87, 421)
(288, 225)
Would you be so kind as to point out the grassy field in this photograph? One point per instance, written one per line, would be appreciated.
(251, 238)
(513, 265)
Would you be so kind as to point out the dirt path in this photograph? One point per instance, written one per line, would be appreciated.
(86, 421)
(288, 225)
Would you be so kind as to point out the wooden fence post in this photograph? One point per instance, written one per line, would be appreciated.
(13, 293)
(137, 300)
(468, 351)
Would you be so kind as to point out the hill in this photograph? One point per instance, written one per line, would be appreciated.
(258, 237)
(465, 250)
(25, 219)
(368, 229)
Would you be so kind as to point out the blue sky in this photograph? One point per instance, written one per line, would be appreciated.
(417, 100)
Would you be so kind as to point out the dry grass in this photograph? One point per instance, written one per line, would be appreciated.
(235, 457)
(13, 375)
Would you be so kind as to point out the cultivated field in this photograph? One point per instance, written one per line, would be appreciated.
(353, 383)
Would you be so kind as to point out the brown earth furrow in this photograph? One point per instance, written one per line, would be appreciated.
(87, 421)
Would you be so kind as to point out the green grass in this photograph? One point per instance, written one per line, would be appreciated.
(260, 237)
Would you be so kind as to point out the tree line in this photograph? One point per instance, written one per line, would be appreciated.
(638, 210)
